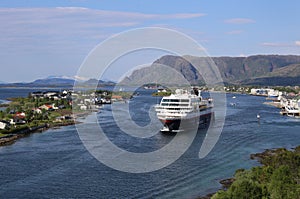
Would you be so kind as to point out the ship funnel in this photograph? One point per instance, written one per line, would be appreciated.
(196, 91)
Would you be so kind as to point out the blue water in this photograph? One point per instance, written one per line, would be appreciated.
(19, 92)
(55, 164)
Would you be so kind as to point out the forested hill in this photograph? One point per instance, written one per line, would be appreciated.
(253, 70)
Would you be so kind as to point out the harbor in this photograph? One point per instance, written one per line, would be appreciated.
(146, 99)
(61, 171)
(287, 103)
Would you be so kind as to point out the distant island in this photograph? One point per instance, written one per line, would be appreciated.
(59, 82)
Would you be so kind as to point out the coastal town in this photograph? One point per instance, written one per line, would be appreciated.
(45, 109)
(288, 101)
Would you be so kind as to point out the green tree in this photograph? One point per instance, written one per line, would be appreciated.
(282, 184)
(246, 189)
(221, 195)
(28, 115)
(2, 115)
(7, 110)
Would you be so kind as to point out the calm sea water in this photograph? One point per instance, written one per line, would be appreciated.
(55, 164)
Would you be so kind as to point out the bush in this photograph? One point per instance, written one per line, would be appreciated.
(279, 177)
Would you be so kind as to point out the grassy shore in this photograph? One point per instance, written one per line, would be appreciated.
(10, 137)
(2, 135)
(161, 94)
(24, 109)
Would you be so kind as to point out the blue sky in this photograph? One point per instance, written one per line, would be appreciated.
(43, 38)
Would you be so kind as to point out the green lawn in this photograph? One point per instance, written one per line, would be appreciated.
(2, 135)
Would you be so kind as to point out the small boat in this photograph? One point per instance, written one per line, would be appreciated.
(292, 111)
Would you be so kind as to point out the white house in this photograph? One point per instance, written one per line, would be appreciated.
(161, 90)
(3, 125)
(262, 91)
(83, 107)
(37, 110)
(50, 93)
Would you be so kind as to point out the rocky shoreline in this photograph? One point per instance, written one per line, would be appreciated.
(11, 138)
(263, 158)
(226, 183)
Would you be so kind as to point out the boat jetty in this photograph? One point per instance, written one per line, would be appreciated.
(287, 102)
(290, 107)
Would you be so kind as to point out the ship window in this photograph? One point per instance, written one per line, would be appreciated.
(184, 104)
(175, 109)
(174, 104)
(184, 100)
(174, 100)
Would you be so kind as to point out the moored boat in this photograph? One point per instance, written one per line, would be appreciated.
(290, 107)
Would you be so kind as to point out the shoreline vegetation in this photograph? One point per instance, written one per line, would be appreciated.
(21, 116)
(8, 139)
(277, 177)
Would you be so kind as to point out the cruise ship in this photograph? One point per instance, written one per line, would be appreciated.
(183, 110)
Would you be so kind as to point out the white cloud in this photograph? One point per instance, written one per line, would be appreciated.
(56, 40)
(277, 44)
(29, 26)
(239, 21)
(73, 8)
(58, 13)
(274, 44)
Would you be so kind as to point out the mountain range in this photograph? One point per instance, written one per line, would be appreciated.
(54, 81)
(263, 70)
(260, 70)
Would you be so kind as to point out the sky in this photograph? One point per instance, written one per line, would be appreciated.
(52, 38)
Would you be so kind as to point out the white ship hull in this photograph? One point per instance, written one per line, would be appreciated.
(183, 111)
